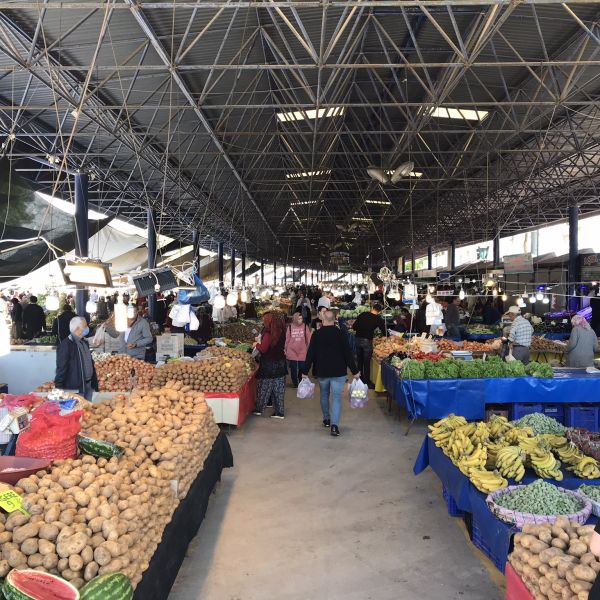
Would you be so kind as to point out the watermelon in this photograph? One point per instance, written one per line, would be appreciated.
(35, 585)
(98, 448)
(114, 586)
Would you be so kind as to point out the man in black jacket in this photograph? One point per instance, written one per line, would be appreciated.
(34, 319)
(330, 357)
(74, 365)
(60, 327)
(365, 326)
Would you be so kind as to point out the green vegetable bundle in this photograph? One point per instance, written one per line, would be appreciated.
(539, 498)
(536, 369)
(413, 369)
(541, 423)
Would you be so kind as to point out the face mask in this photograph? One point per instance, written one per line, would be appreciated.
(85, 332)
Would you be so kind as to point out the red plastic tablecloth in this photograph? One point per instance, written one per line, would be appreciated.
(247, 398)
(515, 588)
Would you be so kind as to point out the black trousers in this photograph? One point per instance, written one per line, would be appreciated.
(364, 352)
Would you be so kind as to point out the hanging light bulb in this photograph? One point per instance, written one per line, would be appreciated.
(91, 307)
(494, 292)
(355, 289)
(232, 298)
(461, 294)
(120, 315)
(504, 297)
(52, 302)
(428, 299)
(130, 310)
(431, 289)
(521, 304)
(244, 296)
(532, 299)
(539, 296)
(219, 301)
(460, 280)
(546, 300)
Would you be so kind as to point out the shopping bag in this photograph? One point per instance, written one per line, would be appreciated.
(98, 338)
(509, 357)
(194, 296)
(359, 394)
(306, 389)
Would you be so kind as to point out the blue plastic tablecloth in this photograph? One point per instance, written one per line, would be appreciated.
(496, 533)
(481, 337)
(437, 398)
(554, 336)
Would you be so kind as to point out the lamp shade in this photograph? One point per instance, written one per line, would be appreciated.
(232, 298)
(244, 295)
(219, 301)
(130, 311)
(120, 315)
(91, 307)
(52, 302)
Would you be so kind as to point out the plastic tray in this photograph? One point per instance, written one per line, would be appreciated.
(29, 466)
(453, 509)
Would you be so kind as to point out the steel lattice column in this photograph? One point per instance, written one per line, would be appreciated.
(81, 234)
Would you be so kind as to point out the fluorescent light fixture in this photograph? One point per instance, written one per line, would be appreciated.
(463, 114)
(304, 203)
(311, 113)
(69, 208)
(362, 219)
(302, 174)
(382, 202)
(411, 174)
(85, 272)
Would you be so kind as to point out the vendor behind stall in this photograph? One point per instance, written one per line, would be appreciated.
(135, 338)
(582, 344)
(520, 334)
(74, 365)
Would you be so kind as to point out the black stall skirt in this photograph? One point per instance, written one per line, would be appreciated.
(164, 566)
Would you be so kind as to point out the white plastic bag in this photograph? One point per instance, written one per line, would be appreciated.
(509, 357)
(98, 338)
(306, 389)
(194, 323)
(180, 315)
(359, 394)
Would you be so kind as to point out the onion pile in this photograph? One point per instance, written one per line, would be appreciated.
(209, 375)
(114, 373)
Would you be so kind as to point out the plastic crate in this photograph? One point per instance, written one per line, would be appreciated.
(520, 409)
(453, 509)
(582, 415)
(479, 542)
(556, 411)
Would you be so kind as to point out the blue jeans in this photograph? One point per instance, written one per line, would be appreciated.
(296, 367)
(336, 384)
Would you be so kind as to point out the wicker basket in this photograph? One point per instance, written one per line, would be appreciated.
(520, 518)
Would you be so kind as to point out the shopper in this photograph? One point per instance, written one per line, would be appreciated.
(520, 334)
(16, 316)
(74, 365)
(452, 318)
(582, 344)
(324, 301)
(330, 357)
(317, 321)
(34, 319)
(297, 338)
(365, 326)
(60, 327)
(303, 303)
(595, 306)
(491, 315)
(136, 337)
(272, 369)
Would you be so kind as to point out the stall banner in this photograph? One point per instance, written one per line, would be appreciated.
(518, 263)
(169, 345)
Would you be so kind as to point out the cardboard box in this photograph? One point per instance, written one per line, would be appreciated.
(169, 345)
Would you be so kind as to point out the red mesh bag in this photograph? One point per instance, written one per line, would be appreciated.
(50, 435)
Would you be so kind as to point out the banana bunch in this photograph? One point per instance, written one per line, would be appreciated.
(441, 430)
(516, 434)
(569, 454)
(509, 462)
(475, 460)
(586, 468)
(545, 465)
(487, 481)
(492, 453)
(531, 444)
(459, 445)
(481, 434)
(498, 426)
(554, 441)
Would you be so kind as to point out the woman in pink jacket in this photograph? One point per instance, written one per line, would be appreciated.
(297, 338)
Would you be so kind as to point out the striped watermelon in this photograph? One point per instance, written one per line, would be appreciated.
(114, 586)
(35, 585)
(98, 448)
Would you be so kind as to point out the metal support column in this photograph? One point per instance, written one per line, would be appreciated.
(81, 234)
(429, 258)
(243, 269)
(274, 273)
(221, 265)
(412, 258)
(573, 272)
(196, 249)
(496, 251)
(262, 271)
(284, 274)
(404, 265)
(452, 255)
(232, 268)
(151, 226)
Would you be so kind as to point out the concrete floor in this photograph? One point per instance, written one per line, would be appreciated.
(306, 516)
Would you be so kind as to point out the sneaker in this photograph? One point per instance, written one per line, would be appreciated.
(274, 416)
(335, 430)
(326, 422)
(257, 413)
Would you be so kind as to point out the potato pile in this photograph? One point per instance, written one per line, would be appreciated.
(114, 373)
(216, 351)
(209, 375)
(95, 516)
(555, 561)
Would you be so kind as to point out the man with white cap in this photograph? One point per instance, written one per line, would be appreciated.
(520, 334)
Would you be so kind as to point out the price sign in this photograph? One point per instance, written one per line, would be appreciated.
(10, 501)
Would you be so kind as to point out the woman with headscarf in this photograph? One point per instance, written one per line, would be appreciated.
(582, 344)
(270, 379)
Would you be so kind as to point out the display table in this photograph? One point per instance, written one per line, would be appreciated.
(233, 408)
(164, 565)
(494, 534)
(376, 376)
(437, 398)
(26, 367)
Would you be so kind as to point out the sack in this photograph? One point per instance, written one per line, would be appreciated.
(306, 389)
(359, 394)
(98, 338)
(50, 435)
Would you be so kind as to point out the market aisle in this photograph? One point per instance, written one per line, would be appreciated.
(305, 516)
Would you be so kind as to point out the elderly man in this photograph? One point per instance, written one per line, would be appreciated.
(519, 335)
(74, 365)
(136, 337)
